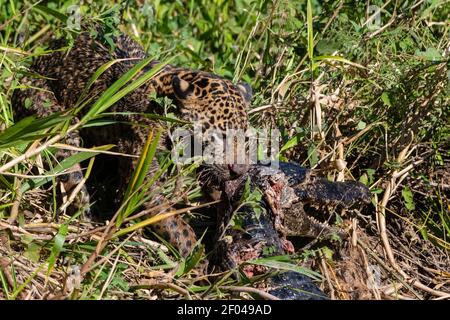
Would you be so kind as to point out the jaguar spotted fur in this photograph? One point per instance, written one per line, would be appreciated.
(59, 78)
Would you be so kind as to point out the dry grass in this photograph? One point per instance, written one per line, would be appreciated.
(353, 100)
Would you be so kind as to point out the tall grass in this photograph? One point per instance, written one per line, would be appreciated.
(355, 95)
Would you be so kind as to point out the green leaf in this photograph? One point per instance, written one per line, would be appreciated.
(385, 99)
(295, 140)
(361, 125)
(14, 130)
(377, 190)
(139, 175)
(371, 175)
(27, 239)
(164, 257)
(282, 263)
(356, 26)
(327, 46)
(246, 192)
(328, 253)
(52, 12)
(424, 233)
(58, 244)
(313, 157)
(408, 198)
(192, 259)
(29, 129)
(236, 222)
(431, 54)
(33, 252)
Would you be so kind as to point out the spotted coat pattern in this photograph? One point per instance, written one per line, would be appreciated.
(61, 77)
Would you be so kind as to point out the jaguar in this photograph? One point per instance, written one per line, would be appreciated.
(56, 81)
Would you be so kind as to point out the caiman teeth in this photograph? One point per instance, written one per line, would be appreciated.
(314, 220)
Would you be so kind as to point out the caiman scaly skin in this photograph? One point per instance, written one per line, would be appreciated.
(260, 231)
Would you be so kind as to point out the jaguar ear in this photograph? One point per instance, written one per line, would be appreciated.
(181, 88)
(246, 90)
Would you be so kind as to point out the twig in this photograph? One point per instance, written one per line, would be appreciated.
(4, 263)
(110, 275)
(109, 231)
(39, 273)
(381, 222)
(347, 141)
(390, 22)
(109, 255)
(93, 150)
(393, 272)
(259, 292)
(78, 188)
(87, 233)
(31, 153)
(5, 225)
(106, 236)
(381, 210)
(327, 277)
(340, 162)
(16, 203)
(333, 17)
(342, 294)
(266, 106)
(41, 176)
(370, 277)
(373, 16)
(153, 284)
(443, 297)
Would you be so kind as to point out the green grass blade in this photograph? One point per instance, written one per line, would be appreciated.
(63, 165)
(139, 174)
(58, 15)
(29, 129)
(95, 77)
(27, 281)
(339, 59)
(58, 245)
(113, 95)
(281, 263)
(310, 31)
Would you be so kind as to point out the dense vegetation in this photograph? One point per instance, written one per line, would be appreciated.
(358, 92)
